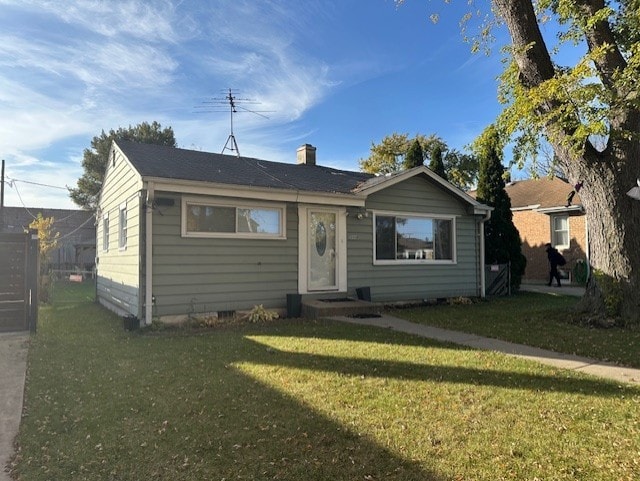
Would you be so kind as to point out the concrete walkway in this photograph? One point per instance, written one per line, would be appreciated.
(566, 290)
(564, 361)
(13, 367)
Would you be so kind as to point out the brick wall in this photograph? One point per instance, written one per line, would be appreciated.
(535, 232)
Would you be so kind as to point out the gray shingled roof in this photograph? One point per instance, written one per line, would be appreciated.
(172, 163)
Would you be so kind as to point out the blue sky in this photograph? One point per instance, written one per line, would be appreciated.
(336, 74)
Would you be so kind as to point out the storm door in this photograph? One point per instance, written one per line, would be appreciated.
(322, 253)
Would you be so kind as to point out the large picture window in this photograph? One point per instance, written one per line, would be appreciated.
(413, 238)
(219, 220)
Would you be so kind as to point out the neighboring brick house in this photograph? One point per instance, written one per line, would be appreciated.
(541, 215)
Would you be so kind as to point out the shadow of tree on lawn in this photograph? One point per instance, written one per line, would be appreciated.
(424, 372)
(183, 406)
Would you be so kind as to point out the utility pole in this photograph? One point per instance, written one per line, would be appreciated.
(2, 199)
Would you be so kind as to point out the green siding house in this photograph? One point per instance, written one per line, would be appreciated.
(183, 232)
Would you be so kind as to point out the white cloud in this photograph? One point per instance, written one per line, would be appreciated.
(31, 121)
(101, 65)
(294, 90)
(122, 66)
(50, 91)
(253, 46)
(147, 20)
(108, 65)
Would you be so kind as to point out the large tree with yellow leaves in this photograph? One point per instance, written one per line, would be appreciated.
(589, 112)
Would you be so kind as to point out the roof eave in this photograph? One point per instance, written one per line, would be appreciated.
(482, 209)
(244, 191)
(575, 209)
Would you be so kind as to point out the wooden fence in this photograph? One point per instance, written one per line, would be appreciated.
(19, 260)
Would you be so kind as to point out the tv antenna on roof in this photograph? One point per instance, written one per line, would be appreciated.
(235, 105)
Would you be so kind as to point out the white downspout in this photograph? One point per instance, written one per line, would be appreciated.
(483, 282)
(148, 255)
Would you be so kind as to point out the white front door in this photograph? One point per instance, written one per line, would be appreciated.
(322, 237)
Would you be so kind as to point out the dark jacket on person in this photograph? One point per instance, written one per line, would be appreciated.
(555, 259)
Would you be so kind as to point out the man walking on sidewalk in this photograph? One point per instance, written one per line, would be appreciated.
(555, 260)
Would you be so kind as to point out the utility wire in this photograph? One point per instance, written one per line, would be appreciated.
(77, 228)
(35, 183)
(12, 183)
(22, 201)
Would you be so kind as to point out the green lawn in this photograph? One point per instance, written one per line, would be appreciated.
(303, 400)
(540, 320)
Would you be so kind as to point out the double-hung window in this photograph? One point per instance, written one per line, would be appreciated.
(105, 232)
(209, 219)
(122, 233)
(409, 238)
(560, 231)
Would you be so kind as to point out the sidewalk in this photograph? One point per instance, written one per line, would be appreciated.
(566, 290)
(13, 367)
(551, 358)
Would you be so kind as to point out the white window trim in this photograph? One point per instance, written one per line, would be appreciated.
(123, 245)
(396, 262)
(234, 204)
(553, 232)
(105, 232)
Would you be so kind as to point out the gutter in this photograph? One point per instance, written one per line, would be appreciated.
(483, 281)
(577, 208)
(193, 187)
(148, 255)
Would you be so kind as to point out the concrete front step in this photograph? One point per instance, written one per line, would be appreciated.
(319, 308)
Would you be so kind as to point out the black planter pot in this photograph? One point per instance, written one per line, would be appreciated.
(364, 293)
(131, 323)
(294, 305)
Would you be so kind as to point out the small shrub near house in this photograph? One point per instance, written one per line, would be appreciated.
(260, 314)
(460, 301)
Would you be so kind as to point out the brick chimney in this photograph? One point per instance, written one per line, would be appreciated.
(306, 155)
